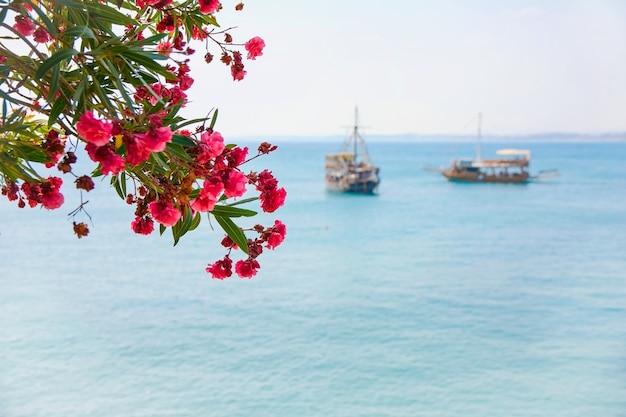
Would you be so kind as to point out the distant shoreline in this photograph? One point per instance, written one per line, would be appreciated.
(426, 138)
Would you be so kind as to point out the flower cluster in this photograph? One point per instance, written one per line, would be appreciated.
(108, 92)
(45, 193)
(269, 237)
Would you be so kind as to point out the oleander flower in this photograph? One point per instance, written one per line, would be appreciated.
(277, 236)
(221, 269)
(235, 185)
(210, 146)
(142, 225)
(164, 212)
(110, 161)
(51, 197)
(93, 130)
(24, 25)
(154, 140)
(207, 197)
(272, 200)
(41, 35)
(209, 6)
(247, 268)
(255, 47)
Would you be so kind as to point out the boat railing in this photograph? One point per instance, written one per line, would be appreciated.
(505, 162)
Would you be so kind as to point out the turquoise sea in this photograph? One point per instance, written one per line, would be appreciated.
(430, 299)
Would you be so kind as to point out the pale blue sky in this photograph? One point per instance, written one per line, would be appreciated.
(423, 67)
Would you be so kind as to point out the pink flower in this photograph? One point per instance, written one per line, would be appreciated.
(136, 152)
(208, 6)
(93, 130)
(41, 35)
(272, 200)
(255, 47)
(247, 268)
(164, 212)
(235, 185)
(237, 156)
(210, 146)
(271, 196)
(185, 82)
(237, 72)
(154, 139)
(142, 225)
(110, 161)
(165, 48)
(51, 197)
(266, 181)
(279, 231)
(177, 94)
(221, 269)
(199, 33)
(24, 25)
(208, 197)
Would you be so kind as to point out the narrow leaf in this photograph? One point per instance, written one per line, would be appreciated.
(55, 59)
(80, 32)
(234, 232)
(183, 141)
(178, 151)
(195, 222)
(56, 110)
(229, 211)
(109, 14)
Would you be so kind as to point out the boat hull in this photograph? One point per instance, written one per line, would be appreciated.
(465, 176)
(362, 187)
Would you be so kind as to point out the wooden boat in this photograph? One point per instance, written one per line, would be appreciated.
(352, 170)
(511, 166)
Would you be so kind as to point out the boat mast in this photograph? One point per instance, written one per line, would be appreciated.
(478, 155)
(356, 133)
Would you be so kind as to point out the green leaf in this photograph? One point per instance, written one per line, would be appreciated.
(123, 183)
(55, 59)
(3, 13)
(148, 60)
(80, 32)
(80, 88)
(115, 77)
(178, 151)
(183, 141)
(195, 222)
(214, 119)
(183, 225)
(102, 95)
(189, 122)
(8, 97)
(151, 40)
(115, 182)
(234, 232)
(54, 83)
(244, 201)
(32, 153)
(103, 12)
(229, 211)
(56, 110)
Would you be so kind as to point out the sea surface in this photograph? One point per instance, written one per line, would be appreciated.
(430, 299)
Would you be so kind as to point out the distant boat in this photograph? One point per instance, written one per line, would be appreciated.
(511, 166)
(352, 170)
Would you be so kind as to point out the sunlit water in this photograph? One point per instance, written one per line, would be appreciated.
(430, 299)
